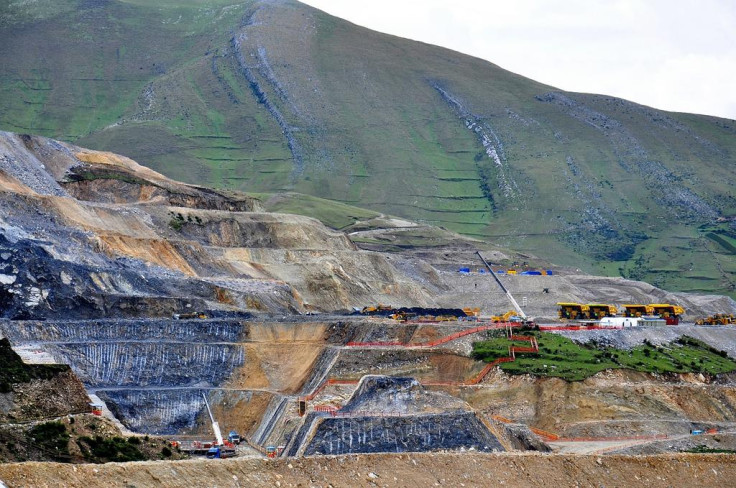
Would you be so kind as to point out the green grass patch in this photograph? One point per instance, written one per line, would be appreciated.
(52, 437)
(562, 358)
(116, 449)
(709, 450)
(333, 214)
(157, 81)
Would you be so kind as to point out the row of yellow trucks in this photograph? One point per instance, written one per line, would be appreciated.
(671, 314)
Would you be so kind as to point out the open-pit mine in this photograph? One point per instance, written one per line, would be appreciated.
(177, 307)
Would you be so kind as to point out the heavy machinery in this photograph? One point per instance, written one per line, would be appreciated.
(507, 317)
(522, 316)
(670, 313)
(573, 311)
(379, 309)
(189, 316)
(222, 449)
(638, 310)
(471, 313)
(717, 319)
(600, 310)
(233, 437)
(422, 313)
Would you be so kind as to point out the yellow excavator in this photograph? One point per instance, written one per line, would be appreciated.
(504, 318)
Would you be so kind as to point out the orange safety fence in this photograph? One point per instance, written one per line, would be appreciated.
(543, 433)
(484, 372)
(436, 342)
(326, 408)
(502, 419)
(615, 438)
(330, 381)
(473, 381)
(555, 437)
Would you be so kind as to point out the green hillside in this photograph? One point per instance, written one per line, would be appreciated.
(274, 96)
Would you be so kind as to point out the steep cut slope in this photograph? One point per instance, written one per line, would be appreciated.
(38, 391)
(134, 243)
(92, 234)
(273, 95)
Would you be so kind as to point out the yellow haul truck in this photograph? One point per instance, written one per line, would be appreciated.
(573, 311)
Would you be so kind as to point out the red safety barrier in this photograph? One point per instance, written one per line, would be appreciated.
(436, 342)
(330, 381)
(613, 439)
(325, 408)
(546, 435)
(484, 372)
(473, 381)
(502, 419)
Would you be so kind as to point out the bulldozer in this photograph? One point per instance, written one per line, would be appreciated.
(717, 319)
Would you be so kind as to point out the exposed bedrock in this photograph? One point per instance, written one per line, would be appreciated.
(113, 330)
(151, 363)
(402, 434)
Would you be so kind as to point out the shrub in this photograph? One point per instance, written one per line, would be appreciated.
(51, 437)
(101, 450)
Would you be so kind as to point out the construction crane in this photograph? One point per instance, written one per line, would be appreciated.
(221, 450)
(524, 319)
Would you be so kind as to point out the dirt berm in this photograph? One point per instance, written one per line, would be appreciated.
(391, 470)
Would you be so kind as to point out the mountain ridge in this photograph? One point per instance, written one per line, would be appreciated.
(277, 96)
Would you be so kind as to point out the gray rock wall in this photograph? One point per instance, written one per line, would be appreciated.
(401, 434)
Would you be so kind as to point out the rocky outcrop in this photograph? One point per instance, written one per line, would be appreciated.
(32, 392)
(387, 414)
(401, 434)
(100, 235)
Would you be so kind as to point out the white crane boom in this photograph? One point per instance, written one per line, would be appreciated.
(508, 293)
(215, 425)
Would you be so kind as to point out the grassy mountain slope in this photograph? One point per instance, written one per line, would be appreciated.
(274, 96)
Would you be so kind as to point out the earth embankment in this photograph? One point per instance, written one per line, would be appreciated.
(391, 470)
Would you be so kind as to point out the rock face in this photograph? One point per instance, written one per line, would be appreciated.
(31, 392)
(97, 253)
(88, 234)
(92, 234)
(402, 434)
(451, 469)
(387, 414)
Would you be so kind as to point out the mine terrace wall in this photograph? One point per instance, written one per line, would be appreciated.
(416, 433)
